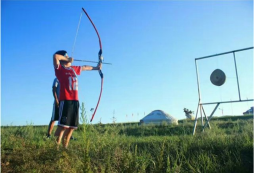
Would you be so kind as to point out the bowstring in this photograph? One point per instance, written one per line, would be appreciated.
(73, 47)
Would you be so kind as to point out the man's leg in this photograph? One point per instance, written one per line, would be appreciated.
(50, 128)
(55, 117)
(59, 133)
(66, 137)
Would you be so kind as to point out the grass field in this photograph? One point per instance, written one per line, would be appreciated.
(227, 147)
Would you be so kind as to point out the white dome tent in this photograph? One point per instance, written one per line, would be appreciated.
(157, 117)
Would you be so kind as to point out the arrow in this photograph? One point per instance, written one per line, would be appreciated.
(91, 61)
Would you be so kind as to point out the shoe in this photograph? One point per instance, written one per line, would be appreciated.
(48, 136)
(72, 138)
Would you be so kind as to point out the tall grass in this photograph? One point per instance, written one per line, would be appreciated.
(227, 147)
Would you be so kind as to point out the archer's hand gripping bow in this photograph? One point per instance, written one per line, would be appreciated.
(100, 61)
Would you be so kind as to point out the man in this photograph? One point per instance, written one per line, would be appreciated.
(69, 103)
(55, 113)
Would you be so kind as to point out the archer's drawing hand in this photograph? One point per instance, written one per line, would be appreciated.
(70, 59)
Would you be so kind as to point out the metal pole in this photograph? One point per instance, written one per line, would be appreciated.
(237, 78)
(199, 94)
(202, 122)
(199, 99)
(224, 53)
(195, 123)
(206, 117)
(232, 101)
(211, 116)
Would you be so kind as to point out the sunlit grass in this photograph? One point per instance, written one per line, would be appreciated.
(227, 147)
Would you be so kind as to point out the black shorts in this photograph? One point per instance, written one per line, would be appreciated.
(55, 113)
(69, 114)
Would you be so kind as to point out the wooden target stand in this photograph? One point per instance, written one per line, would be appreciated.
(218, 78)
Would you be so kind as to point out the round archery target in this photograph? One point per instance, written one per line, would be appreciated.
(218, 77)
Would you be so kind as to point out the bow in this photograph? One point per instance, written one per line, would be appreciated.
(100, 61)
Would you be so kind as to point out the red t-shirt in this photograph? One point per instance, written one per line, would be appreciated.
(68, 81)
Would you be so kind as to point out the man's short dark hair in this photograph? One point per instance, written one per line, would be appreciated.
(61, 52)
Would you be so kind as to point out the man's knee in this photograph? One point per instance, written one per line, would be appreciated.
(59, 130)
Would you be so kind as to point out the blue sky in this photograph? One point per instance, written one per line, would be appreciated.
(152, 45)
